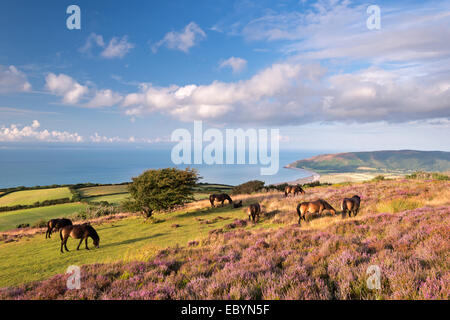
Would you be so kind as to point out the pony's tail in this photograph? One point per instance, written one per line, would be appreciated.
(342, 205)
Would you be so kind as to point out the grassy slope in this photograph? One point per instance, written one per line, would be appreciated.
(397, 161)
(103, 190)
(10, 219)
(130, 239)
(112, 198)
(38, 258)
(28, 197)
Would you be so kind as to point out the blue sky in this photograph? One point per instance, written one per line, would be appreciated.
(137, 70)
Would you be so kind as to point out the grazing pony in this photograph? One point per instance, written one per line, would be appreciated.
(237, 204)
(313, 207)
(253, 211)
(220, 198)
(294, 190)
(56, 224)
(81, 231)
(350, 205)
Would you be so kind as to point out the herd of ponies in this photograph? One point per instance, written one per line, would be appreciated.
(84, 231)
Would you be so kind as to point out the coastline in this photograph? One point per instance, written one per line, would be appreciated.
(309, 179)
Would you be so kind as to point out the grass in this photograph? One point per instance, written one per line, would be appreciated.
(103, 190)
(114, 199)
(398, 205)
(10, 219)
(28, 197)
(127, 239)
(130, 239)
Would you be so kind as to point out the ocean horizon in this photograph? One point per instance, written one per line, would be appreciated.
(47, 166)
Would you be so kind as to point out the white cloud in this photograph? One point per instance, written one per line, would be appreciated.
(214, 100)
(290, 93)
(31, 133)
(13, 80)
(182, 40)
(93, 40)
(117, 48)
(65, 86)
(236, 64)
(337, 29)
(104, 98)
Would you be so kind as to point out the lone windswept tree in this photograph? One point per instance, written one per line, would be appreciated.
(162, 189)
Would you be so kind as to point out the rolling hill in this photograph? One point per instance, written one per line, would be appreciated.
(377, 161)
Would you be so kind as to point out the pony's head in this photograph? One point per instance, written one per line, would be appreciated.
(356, 196)
(94, 235)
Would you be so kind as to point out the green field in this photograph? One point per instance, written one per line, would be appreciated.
(112, 199)
(130, 239)
(29, 197)
(10, 219)
(103, 190)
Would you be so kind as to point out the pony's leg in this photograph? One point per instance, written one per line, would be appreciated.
(86, 241)
(65, 243)
(46, 233)
(78, 248)
(62, 241)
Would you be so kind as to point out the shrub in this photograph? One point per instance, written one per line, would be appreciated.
(162, 189)
(40, 224)
(378, 178)
(92, 212)
(421, 175)
(248, 187)
(23, 225)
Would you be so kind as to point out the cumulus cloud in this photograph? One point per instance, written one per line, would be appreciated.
(32, 133)
(116, 48)
(104, 98)
(236, 64)
(74, 93)
(94, 40)
(65, 86)
(181, 40)
(291, 93)
(13, 80)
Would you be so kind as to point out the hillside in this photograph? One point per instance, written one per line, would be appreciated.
(401, 161)
(200, 252)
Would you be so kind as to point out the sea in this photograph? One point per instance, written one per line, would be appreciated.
(47, 166)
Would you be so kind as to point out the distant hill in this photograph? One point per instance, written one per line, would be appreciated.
(377, 161)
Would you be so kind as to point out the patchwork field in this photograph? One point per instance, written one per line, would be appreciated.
(28, 197)
(10, 219)
(355, 177)
(103, 190)
(112, 199)
(199, 252)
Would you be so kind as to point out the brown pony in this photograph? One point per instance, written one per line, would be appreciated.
(313, 207)
(351, 205)
(81, 231)
(294, 190)
(56, 224)
(253, 211)
(220, 198)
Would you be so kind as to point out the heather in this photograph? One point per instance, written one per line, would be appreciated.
(223, 256)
